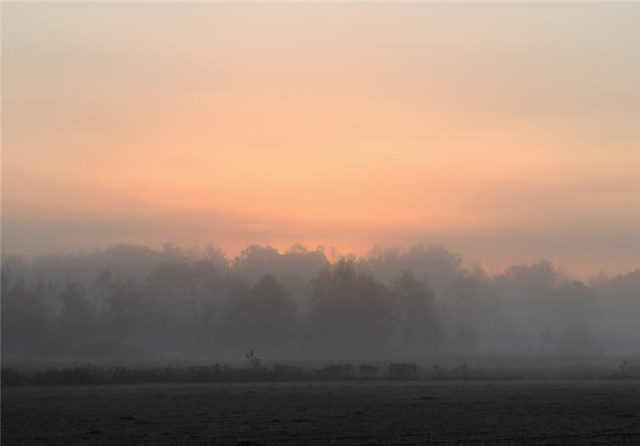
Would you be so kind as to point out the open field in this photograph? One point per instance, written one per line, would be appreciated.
(538, 412)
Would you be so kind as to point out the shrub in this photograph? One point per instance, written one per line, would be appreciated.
(402, 371)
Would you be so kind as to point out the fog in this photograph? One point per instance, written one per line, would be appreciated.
(131, 302)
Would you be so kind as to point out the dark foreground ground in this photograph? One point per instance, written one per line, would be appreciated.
(539, 412)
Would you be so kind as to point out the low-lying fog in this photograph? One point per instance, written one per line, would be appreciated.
(134, 303)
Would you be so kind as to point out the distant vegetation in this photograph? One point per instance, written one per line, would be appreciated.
(89, 374)
(132, 302)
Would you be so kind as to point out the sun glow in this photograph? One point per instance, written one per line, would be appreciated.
(327, 124)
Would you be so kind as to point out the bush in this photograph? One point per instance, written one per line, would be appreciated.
(368, 371)
(337, 372)
(402, 371)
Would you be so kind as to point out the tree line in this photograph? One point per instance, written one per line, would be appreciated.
(135, 302)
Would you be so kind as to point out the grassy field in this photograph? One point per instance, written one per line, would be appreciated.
(538, 412)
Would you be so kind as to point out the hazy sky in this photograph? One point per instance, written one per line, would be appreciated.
(507, 132)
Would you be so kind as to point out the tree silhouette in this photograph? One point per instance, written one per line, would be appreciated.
(414, 311)
(349, 310)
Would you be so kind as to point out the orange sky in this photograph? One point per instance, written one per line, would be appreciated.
(507, 132)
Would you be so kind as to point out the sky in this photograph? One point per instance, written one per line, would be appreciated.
(507, 132)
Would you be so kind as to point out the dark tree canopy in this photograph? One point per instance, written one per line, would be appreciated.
(136, 302)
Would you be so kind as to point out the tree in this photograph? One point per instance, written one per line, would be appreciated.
(414, 311)
(171, 305)
(123, 312)
(263, 316)
(23, 318)
(349, 310)
(255, 261)
(474, 314)
(439, 264)
(76, 321)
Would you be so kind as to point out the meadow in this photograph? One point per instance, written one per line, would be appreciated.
(343, 412)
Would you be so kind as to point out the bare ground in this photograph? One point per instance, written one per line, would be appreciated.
(533, 412)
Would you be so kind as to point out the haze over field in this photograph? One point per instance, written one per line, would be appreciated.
(131, 302)
(509, 133)
(320, 222)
